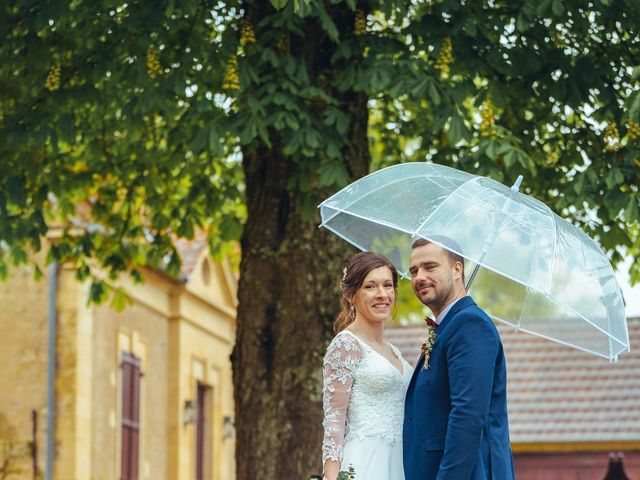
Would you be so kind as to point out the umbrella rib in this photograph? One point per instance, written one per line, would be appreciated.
(556, 300)
(528, 290)
(370, 193)
(555, 218)
(342, 190)
(368, 219)
(555, 244)
(524, 300)
(431, 166)
(572, 310)
(348, 240)
(598, 247)
(556, 340)
(442, 203)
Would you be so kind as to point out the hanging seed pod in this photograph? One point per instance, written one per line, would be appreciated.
(360, 24)
(231, 79)
(488, 116)
(247, 34)
(553, 157)
(445, 57)
(52, 82)
(611, 138)
(154, 69)
(633, 130)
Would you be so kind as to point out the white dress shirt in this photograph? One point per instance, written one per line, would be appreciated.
(444, 312)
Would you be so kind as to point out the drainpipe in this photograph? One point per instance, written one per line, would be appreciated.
(51, 368)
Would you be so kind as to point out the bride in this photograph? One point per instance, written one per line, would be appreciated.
(365, 377)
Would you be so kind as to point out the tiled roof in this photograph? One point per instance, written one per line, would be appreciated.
(559, 394)
(190, 251)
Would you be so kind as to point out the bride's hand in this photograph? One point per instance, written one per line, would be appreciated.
(331, 470)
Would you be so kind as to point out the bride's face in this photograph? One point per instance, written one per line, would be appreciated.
(376, 296)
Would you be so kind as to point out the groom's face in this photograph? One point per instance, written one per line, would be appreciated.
(432, 275)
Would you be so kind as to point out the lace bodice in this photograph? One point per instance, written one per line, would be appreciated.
(363, 394)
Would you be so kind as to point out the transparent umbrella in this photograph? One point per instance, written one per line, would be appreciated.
(535, 271)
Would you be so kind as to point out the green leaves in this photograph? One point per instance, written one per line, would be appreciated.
(328, 25)
(458, 131)
(557, 7)
(334, 117)
(522, 23)
(279, 4)
(66, 128)
(631, 211)
(120, 300)
(200, 140)
(333, 174)
(97, 292)
(614, 178)
(149, 156)
(230, 228)
(207, 137)
(633, 104)
(16, 190)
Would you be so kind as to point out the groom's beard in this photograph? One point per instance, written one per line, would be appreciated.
(440, 300)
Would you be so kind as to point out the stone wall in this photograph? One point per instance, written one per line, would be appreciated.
(23, 353)
(183, 335)
(144, 332)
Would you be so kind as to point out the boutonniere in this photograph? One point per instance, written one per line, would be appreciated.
(429, 341)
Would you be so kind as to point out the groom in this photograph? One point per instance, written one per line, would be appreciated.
(455, 424)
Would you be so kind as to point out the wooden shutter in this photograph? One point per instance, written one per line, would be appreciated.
(130, 417)
(200, 432)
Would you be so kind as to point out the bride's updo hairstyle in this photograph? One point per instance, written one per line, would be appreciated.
(353, 274)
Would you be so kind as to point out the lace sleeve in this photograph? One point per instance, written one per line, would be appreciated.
(341, 359)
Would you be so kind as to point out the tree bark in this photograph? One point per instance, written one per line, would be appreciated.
(288, 298)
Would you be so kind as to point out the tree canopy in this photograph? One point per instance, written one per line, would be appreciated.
(141, 121)
(140, 110)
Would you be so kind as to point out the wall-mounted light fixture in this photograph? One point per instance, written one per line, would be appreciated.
(228, 428)
(189, 412)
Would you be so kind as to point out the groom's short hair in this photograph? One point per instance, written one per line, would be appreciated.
(447, 244)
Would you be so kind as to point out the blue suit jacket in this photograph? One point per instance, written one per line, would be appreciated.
(455, 423)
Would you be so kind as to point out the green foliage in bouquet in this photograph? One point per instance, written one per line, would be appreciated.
(349, 474)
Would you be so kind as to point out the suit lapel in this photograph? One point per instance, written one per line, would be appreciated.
(460, 304)
(416, 371)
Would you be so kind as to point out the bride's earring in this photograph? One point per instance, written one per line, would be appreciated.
(353, 312)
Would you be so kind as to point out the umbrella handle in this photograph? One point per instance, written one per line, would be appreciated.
(471, 277)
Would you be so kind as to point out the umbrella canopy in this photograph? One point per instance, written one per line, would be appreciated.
(538, 272)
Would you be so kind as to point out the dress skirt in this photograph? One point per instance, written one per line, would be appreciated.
(374, 459)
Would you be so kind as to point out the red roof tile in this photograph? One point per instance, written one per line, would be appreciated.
(556, 393)
(190, 251)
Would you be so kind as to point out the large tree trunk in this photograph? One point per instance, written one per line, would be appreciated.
(288, 299)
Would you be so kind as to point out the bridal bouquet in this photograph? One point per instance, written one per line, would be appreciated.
(348, 474)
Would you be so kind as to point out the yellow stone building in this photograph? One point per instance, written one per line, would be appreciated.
(141, 394)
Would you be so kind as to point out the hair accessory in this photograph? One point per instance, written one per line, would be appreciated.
(344, 273)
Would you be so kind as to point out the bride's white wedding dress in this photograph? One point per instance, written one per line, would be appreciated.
(364, 408)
